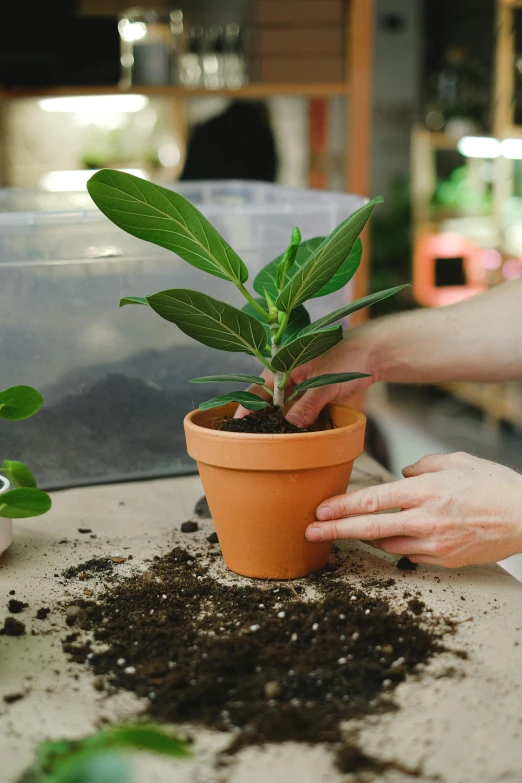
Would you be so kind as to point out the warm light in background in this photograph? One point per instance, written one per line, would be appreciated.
(512, 269)
(487, 147)
(132, 31)
(95, 104)
(511, 148)
(62, 181)
(479, 147)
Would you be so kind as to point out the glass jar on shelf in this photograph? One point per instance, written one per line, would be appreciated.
(145, 47)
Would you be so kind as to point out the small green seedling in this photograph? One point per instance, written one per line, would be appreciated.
(275, 327)
(24, 499)
(98, 758)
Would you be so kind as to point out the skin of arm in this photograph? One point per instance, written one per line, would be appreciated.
(455, 509)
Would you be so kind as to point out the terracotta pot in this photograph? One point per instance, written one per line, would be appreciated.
(6, 525)
(263, 490)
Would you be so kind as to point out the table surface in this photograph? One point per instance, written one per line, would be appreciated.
(462, 729)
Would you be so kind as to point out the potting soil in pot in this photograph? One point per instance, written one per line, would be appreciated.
(261, 660)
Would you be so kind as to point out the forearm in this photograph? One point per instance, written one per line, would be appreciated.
(479, 339)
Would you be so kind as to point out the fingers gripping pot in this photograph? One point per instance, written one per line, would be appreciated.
(263, 490)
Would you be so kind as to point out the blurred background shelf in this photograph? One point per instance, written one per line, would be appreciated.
(253, 90)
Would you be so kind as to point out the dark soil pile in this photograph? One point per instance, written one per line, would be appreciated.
(267, 421)
(260, 659)
(97, 565)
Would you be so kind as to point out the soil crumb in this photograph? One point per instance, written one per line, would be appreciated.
(268, 421)
(406, 565)
(42, 613)
(97, 565)
(201, 508)
(15, 607)
(189, 527)
(213, 538)
(258, 661)
(12, 627)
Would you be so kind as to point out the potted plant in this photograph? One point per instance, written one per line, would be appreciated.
(19, 496)
(262, 487)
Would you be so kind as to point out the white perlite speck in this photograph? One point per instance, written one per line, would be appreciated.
(255, 627)
(341, 660)
(281, 615)
(315, 626)
(130, 670)
(121, 661)
(366, 611)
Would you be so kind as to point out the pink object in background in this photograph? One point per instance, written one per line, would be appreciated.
(458, 257)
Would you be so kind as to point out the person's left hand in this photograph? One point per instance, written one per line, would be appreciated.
(456, 510)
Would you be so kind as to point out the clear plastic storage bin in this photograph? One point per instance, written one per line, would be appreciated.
(116, 381)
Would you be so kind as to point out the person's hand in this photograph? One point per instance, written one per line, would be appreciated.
(456, 510)
(352, 355)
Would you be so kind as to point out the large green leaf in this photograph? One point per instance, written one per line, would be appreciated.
(241, 378)
(353, 307)
(167, 219)
(326, 380)
(266, 279)
(19, 402)
(306, 348)
(24, 502)
(248, 400)
(345, 272)
(326, 261)
(210, 321)
(17, 473)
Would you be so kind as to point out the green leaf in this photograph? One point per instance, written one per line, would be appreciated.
(326, 380)
(305, 348)
(353, 307)
(137, 300)
(228, 379)
(23, 503)
(19, 402)
(299, 319)
(248, 400)
(149, 738)
(288, 258)
(158, 215)
(266, 279)
(326, 261)
(210, 321)
(17, 473)
(345, 272)
(102, 767)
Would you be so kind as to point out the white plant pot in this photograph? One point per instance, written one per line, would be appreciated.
(6, 525)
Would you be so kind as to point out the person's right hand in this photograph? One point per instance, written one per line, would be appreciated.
(352, 355)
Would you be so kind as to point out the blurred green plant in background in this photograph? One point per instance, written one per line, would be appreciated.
(391, 248)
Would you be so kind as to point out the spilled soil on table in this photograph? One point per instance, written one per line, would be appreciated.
(262, 660)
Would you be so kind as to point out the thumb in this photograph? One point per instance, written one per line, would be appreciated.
(308, 407)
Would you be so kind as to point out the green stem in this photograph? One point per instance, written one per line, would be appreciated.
(263, 361)
(282, 329)
(293, 396)
(267, 389)
(283, 383)
(257, 307)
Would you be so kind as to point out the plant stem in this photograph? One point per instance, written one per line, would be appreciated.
(263, 361)
(279, 395)
(284, 323)
(257, 307)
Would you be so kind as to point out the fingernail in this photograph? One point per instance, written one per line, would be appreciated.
(314, 533)
(324, 512)
(293, 418)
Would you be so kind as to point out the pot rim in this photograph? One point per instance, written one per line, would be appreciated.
(271, 437)
(5, 485)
